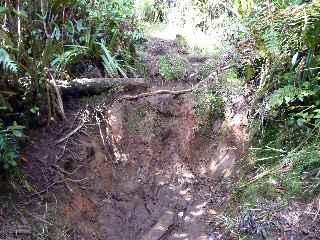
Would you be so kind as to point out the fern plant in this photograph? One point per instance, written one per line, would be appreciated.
(95, 50)
(6, 62)
(110, 64)
(8, 145)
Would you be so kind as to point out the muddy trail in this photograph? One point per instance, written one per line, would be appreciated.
(133, 169)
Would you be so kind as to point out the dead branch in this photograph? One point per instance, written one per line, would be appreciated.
(201, 85)
(57, 183)
(71, 133)
(159, 92)
(57, 168)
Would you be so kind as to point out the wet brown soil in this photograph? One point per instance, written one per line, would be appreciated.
(122, 175)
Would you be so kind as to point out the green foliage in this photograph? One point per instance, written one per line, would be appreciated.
(284, 95)
(7, 63)
(42, 42)
(114, 12)
(92, 50)
(301, 105)
(243, 7)
(106, 37)
(292, 30)
(231, 75)
(110, 64)
(147, 10)
(206, 69)
(287, 31)
(8, 146)
(172, 67)
(285, 165)
(151, 11)
(209, 107)
(285, 157)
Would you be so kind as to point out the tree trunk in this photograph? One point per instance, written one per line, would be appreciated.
(85, 86)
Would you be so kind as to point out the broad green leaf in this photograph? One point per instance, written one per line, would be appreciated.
(300, 122)
(70, 27)
(3, 10)
(17, 133)
(20, 13)
(56, 33)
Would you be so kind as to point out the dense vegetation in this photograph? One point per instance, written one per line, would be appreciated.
(49, 40)
(54, 39)
(285, 155)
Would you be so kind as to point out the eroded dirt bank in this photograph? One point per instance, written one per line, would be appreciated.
(141, 165)
(133, 169)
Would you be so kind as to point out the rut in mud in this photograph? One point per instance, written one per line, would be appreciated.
(137, 169)
(149, 167)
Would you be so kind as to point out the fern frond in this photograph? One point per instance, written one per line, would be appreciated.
(111, 65)
(7, 64)
(282, 95)
(68, 56)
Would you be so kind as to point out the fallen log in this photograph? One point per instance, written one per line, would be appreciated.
(92, 86)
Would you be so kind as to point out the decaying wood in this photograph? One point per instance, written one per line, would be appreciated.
(91, 86)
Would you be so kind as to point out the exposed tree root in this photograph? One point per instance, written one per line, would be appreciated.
(159, 92)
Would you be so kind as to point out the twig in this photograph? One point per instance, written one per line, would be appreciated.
(71, 133)
(23, 218)
(200, 85)
(105, 140)
(59, 182)
(39, 218)
(266, 158)
(275, 149)
(159, 92)
(100, 131)
(64, 171)
(66, 143)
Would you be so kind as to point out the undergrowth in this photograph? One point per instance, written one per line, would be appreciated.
(206, 69)
(284, 165)
(283, 162)
(209, 107)
(9, 154)
(172, 67)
